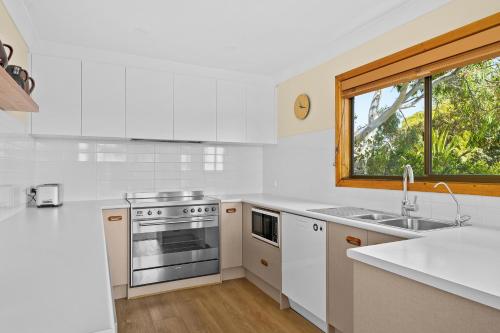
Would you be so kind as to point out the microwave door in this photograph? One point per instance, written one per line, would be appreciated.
(257, 224)
(267, 227)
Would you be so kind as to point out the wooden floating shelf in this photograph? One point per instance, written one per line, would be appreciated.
(13, 97)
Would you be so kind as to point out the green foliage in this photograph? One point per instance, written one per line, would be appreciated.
(392, 147)
(466, 119)
(465, 129)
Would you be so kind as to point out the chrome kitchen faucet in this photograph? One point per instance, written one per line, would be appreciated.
(406, 205)
(459, 218)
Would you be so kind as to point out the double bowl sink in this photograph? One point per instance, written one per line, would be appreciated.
(411, 223)
(391, 220)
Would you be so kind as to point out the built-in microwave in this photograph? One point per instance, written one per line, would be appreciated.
(266, 226)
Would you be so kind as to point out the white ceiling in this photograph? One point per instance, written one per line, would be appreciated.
(259, 37)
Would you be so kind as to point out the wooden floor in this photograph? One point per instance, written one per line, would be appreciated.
(233, 306)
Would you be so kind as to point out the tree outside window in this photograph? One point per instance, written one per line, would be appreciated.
(463, 105)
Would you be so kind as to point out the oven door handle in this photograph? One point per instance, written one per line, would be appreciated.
(145, 224)
(164, 218)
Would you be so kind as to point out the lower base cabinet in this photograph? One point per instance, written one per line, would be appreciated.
(260, 258)
(340, 271)
(116, 232)
(231, 235)
(388, 303)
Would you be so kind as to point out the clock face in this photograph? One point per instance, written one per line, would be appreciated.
(302, 106)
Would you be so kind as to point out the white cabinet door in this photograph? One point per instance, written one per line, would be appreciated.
(195, 110)
(103, 100)
(150, 104)
(260, 114)
(58, 93)
(303, 242)
(231, 124)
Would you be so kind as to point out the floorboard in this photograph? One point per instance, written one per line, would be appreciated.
(233, 306)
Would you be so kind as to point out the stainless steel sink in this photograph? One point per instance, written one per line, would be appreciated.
(416, 224)
(383, 218)
(375, 217)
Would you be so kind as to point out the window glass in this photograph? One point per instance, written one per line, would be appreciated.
(466, 120)
(388, 127)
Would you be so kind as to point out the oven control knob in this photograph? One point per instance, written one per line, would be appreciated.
(213, 209)
(159, 212)
(185, 210)
(199, 210)
(207, 209)
(150, 212)
(192, 210)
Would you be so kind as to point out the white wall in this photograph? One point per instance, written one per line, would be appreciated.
(16, 163)
(302, 166)
(102, 169)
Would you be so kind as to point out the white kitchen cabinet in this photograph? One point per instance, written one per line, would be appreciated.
(150, 104)
(195, 108)
(303, 242)
(231, 123)
(58, 94)
(260, 114)
(103, 100)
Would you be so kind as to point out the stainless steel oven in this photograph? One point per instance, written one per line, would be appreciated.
(172, 240)
(266, 226)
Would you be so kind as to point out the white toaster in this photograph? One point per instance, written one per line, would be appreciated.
(49, 195)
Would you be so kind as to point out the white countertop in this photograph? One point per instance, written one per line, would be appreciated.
(463, 261)
(54, 271)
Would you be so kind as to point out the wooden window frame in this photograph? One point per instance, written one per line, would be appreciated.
(472, 43)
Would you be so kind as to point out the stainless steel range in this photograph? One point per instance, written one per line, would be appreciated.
(173, 235)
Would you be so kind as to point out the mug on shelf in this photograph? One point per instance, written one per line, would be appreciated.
(22, 78)
(29, 85)
(4, 58)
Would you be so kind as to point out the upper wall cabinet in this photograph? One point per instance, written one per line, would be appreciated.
(231, 122)
(260, 115)
(195, 108)
(106, 100)
(58, 94)
(103, 100)
(150, 104)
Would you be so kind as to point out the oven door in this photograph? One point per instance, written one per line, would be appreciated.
(265, 226)
(171, 249)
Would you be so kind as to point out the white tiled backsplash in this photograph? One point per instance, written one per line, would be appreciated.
(101, 169)
(16, 162)
(302, 166)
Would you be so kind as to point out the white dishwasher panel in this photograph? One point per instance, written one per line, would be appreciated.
(303, 243)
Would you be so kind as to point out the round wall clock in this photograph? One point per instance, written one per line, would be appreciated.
(302, 106)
